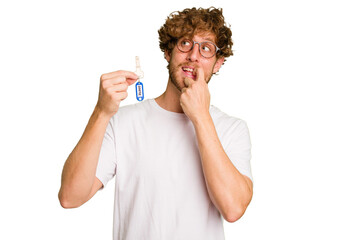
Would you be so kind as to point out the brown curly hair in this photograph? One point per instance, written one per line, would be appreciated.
(193, 21)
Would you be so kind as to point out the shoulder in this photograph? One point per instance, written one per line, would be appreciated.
(133, 109)
(225, 122)
(130, 113)
(232, 131)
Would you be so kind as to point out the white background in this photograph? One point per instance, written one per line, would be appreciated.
(293, 78)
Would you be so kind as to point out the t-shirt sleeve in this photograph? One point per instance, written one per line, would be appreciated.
(239, 148)
(106, 167)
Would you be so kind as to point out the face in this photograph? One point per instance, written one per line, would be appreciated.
(182, 65)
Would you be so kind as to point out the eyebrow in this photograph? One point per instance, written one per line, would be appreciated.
(207, 39)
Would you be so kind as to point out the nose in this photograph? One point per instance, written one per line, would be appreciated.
(194, 54)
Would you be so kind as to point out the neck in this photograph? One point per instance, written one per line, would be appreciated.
(170, 99)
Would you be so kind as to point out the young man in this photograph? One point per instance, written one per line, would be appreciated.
(180, 164)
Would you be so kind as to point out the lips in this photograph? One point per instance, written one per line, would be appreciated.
(188, 71)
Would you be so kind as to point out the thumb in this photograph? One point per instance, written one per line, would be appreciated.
(131, 77)
(130, 81)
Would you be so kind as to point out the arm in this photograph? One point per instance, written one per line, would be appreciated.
(229, 190)
(79, 182)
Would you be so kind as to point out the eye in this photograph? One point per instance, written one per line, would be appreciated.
(207, 47)
(186, 43)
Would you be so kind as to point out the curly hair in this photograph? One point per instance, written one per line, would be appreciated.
(193, 21)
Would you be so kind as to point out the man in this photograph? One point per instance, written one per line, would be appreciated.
(180, 164)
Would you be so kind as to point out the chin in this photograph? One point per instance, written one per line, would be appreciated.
(176, 80)
(178, 84)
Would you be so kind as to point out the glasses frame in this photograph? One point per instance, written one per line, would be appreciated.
(199, 44)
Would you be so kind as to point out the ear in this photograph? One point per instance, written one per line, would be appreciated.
(218, 64)
(167, 55)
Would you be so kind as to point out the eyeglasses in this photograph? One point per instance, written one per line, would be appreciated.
(206, 49)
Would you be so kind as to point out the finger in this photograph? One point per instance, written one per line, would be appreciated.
(131, 81)
(126, 74)
(122, 95)
(119, 87)
(113, 81)
(200, 74)
(188, 82)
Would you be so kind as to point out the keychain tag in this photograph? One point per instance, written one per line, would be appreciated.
(139, 85)
(139, 91)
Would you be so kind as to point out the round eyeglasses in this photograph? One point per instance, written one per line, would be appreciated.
(206, 49)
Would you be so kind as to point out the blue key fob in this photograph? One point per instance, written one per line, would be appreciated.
(139, 91)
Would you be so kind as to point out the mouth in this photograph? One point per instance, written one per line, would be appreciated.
(188, 71)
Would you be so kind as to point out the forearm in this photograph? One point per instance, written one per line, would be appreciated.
(80, 168)
(229, 190)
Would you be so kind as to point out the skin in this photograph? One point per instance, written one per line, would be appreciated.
(79, 182)
(187, 93)
(229, 190)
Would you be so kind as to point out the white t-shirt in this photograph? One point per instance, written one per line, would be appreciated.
(160, 190)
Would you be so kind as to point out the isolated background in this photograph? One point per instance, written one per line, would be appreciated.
(293, 78)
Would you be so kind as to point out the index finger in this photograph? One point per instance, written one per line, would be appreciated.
(200, 74)
(127, 74)
(188, 82)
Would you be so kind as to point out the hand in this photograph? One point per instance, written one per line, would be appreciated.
(113, 90)
(195, 97)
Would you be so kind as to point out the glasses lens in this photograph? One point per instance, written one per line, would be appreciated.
(208, 49)
(185, 45)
